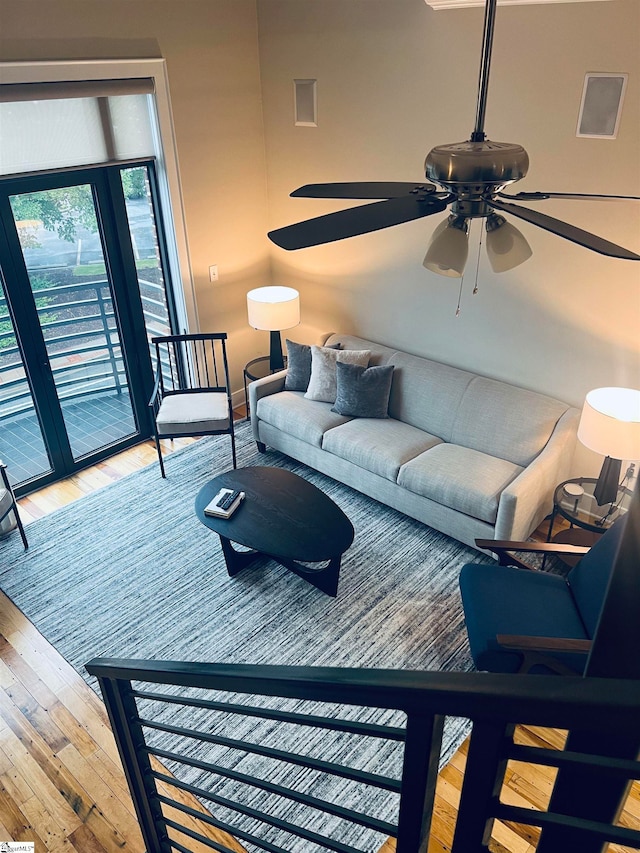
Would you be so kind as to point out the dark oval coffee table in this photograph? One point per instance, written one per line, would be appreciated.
(283, 517)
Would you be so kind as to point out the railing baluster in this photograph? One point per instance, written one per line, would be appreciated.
(129, 737)
(419, 776)
(107, 335)
(491, 702)
(484, 774)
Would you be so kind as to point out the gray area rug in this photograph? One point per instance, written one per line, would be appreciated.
(130, 572)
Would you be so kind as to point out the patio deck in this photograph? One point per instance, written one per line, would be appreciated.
(94, 421)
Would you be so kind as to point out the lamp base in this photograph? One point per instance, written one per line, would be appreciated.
(606, 490)
(276, 361)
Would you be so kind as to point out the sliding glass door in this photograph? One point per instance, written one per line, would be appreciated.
(84, 291)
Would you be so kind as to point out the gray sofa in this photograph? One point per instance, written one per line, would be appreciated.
(464, 454)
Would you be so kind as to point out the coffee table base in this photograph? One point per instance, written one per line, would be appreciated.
(324, 578)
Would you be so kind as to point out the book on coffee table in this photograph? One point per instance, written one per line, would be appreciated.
(220, 507)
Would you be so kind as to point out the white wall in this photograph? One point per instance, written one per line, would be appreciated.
(396, 78)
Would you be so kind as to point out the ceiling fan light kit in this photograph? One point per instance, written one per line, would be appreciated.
(449, 247)
(507, 247)
(470, 176)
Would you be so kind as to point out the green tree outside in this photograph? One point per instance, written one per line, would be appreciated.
(67, 209)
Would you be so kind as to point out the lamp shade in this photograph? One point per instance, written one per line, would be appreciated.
(449, 248)
(610, 423)
(273, 308)
(506, 246)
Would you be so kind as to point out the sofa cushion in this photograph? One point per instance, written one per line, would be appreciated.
(362, 392)
(426, 394)
(460, 478)
(299, 365)
(506, 421)
(380, 446)
(322, 385)
(380, 354)
(290, 412)
(535, 604)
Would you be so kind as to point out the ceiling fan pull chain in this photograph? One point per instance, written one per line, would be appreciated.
(475, 286)
(459, 296)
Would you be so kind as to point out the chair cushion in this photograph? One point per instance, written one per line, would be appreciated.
(6, 501)
(188, 414)
(506, 600)
(460, 478)
(377, 445)
(590, 578)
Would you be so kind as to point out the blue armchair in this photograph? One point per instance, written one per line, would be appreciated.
(525, 620)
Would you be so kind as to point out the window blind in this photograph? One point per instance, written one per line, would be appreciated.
(47, 126)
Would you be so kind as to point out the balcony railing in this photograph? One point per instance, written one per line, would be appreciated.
(80, 329)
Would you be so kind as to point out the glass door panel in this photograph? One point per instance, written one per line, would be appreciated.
(146, 249)
(22, 444)
(63, 253)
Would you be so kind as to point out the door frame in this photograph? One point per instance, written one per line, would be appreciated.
(113, 226)
(168, 174)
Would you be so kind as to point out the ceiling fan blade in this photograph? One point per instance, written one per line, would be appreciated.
(365, 189)
(356, 220)
(539, 196)
(564, 229)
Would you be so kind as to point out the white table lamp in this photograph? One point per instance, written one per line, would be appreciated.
(273, 309)
(610, 425)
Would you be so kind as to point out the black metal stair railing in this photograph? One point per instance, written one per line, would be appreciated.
(210, 733)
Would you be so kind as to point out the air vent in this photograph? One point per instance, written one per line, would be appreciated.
(305, 103)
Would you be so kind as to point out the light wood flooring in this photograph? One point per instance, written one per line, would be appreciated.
(61, 783)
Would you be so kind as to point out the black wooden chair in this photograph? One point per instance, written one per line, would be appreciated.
(8, 503)
(192, 394)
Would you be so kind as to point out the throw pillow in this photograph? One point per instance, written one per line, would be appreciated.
(299, 365)
(363, 392)
(322, 385)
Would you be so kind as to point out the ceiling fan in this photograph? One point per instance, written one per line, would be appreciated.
(470, 176)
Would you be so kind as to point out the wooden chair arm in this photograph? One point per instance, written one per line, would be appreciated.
(503, 548)
(523, 643)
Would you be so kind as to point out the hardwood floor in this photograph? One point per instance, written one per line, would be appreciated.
(61, 783)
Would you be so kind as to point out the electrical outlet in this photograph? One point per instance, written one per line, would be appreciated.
(213, 272)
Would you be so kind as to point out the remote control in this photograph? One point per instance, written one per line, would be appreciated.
(227, 499)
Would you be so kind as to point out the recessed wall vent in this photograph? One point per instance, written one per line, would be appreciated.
(305, 103)
(601, 105)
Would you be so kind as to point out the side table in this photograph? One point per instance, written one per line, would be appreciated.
(257, 368)
(586, 518)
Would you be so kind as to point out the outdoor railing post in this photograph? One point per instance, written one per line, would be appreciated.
(129, 737)
(419, 777)
(107, 335)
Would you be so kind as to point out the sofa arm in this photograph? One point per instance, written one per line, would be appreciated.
(259, 388)
(526, 501)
